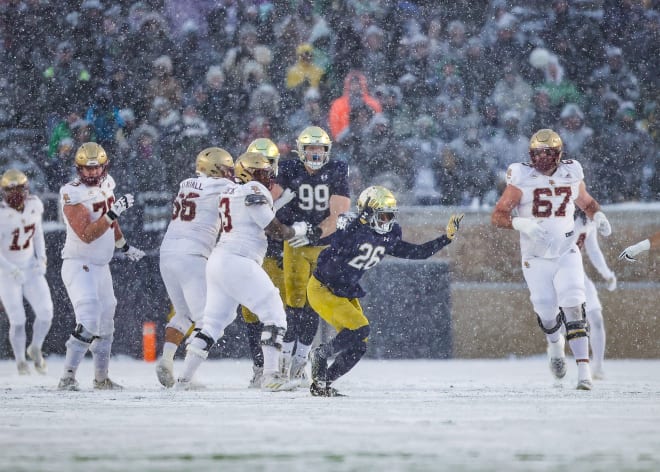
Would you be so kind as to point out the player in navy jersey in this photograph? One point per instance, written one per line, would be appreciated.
(362, 240)
(321, 195)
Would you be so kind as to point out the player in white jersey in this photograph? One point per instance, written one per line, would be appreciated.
(234, 275)
(588, 239)
(23, 268)
(539, 201)
(92, 234)
(186, 246)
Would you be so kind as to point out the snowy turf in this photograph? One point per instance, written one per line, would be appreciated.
(421, 415)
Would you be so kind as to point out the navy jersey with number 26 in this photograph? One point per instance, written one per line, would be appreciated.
(355, 248)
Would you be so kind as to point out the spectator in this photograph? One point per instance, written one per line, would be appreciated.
(163, 83)
(66, 81)
(617, 75)
(310, 114)
(512, 92)
(301, 76)
(356, 93)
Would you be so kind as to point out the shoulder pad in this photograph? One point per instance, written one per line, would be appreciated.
(345, 219)
(255, 199)
(574, 168)
(515, 172)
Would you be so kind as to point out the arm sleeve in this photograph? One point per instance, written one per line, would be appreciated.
(596, 257)
(406, 250)
(39, 240)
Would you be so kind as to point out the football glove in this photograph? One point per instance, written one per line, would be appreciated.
(611, 283)
(531, 228)
(299, 238)
(132, 253)
(630, 252)
(285, 198)
(604, 226)
(367, 211)
(119, 207)
(345, 219)
(453, 225)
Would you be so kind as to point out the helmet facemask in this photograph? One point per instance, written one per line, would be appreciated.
(314, 159)
(382, 221)
(92, 181)
(15, 196)
(545, 159)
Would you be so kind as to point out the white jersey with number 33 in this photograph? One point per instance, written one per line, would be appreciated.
(243, 224)
(195, 219)
(550, 200)
(97, 200)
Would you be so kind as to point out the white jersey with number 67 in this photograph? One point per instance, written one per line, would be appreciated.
(550, 200)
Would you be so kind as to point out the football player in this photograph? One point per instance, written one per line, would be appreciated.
(272, 264)
(539, 201)
(361, 241)
(588, 239)
(234, 273)
(23, 268)
(186, 247)
(321, 195)
(629, 253)
(91, 215)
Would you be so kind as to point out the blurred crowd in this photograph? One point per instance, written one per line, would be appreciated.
(433, 98)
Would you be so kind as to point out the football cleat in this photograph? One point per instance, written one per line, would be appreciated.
(165, 373)
(257, 377)
(182, 384)
(584, 384)
(276, 382)
(106, 384)
(35, 354)
(319, 365)
(68, 383)
(23, 368)
(557, 358)
(298, 373)
(323, 389)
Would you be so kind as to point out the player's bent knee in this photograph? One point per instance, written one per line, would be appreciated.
(83, 334)
(573, 313)
(550, 327)
(180, 322)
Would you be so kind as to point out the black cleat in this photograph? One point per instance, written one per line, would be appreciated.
(319, 365)
(323, 389)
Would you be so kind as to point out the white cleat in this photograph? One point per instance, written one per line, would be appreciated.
(257, 377)
(585, 384)
(35, 355)
(276, 382)
(106, 384)
(69, 384)
(557, 358)
(298, 372)
(165, 373)
(23, 368)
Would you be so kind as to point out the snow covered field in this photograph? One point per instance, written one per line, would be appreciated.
(421, 415)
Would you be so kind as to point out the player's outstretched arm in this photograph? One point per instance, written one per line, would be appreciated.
(278, 230)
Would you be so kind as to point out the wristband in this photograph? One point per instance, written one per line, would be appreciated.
(111, 216)
(121, 244)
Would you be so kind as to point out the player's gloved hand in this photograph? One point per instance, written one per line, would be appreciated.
(604, 226)
(453, 225)
(630, 252)
(16, 273)
(611, 283)
(285, 198)
(345, 219)
(367, 212)
(133, 254)
(531, 228)
(299, 238)
(119, 207)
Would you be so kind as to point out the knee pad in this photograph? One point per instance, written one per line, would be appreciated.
(200, 345)
(272, 336)
(83, 335)
(553, 329)
(576, 329)
(180, 322)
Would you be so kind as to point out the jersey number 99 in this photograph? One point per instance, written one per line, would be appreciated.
(314, 197)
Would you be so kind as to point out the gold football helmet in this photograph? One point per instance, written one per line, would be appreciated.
(545, 150)
(379, 204)
(314, 136)
(214, 162)
(91, 155)
(269, 149)
(254, 166)
(15, 188)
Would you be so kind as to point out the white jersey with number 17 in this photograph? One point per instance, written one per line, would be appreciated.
(550, 200)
